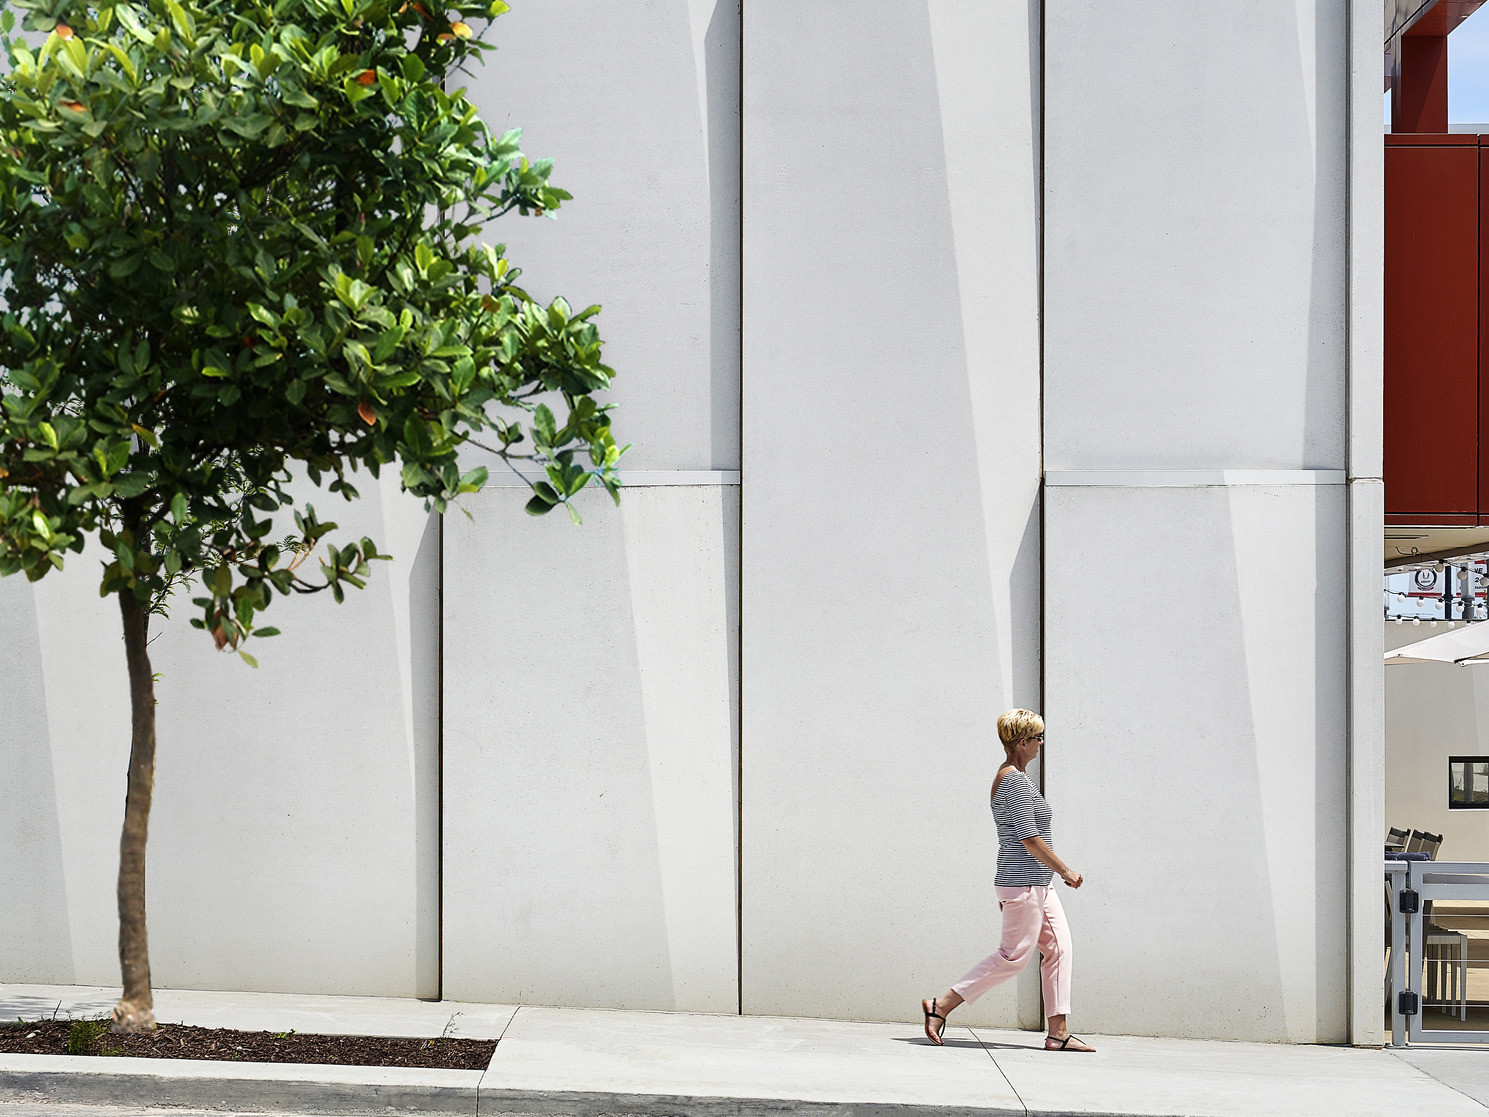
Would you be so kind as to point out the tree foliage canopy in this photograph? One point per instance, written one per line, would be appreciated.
(238, 244)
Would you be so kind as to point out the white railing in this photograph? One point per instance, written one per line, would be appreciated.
(1429, 963)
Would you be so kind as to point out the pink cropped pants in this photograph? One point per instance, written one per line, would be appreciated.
(1031, 917)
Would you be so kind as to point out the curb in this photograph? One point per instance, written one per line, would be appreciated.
(582, 1103)
(249, 1087)
(313, 1088)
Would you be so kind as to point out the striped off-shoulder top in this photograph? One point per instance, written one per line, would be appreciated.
(1020, 812)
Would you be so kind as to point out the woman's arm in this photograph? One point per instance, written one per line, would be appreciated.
(1040, 851)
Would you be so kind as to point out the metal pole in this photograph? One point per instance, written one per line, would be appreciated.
(1398, 961)
(1415, 946)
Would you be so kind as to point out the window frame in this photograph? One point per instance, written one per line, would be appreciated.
(1468, 783)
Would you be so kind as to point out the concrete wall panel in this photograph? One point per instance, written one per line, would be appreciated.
(589, 755)
(638, 104)
(35, 919)
(292, 835)
(889, 609)
(1195, 696)
(1195, 242)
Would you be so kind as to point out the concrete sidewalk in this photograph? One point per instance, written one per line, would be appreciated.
(590, 1062)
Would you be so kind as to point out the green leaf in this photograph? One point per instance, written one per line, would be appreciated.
(416, 437)
(262, 632)
(181, 21)
(248, 659)
(544, 423)
(125, 63)
(389, 340)
(131, 23)
(127, 266)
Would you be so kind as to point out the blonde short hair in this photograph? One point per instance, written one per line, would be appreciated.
(1015, 725)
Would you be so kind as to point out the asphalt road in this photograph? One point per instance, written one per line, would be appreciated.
(25, 1109)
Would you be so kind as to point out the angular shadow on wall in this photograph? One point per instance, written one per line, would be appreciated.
(991, 166)
(553, 890)
(1295, 616)
(424, 668)
(1320, 144)
(1325, 150)
(1235, 943)
(721, 75)
(1161, 747)
(34, 926)
(873, 603)
(1330, 761)
(730, 532)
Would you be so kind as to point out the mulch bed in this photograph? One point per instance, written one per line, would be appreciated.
(181, 1041)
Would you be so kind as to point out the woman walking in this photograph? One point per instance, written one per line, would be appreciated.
(1032, 915)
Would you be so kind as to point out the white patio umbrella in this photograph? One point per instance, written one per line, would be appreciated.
(1469, 644)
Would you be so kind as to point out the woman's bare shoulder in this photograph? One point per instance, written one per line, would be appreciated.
(998, 779)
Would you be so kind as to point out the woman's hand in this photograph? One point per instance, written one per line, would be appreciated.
(1046, 856)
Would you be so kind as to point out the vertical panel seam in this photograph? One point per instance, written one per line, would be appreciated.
(439, 783)
(1349, 563)
(1039, 217)
(739, 588)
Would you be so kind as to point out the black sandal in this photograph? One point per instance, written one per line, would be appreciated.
(1064, 1043)
(932, 1014)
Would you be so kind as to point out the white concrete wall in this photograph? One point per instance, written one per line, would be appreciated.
(590, 685)
(638, 105)
(1433, 711)
(1195, 245)
(591, 696)
(293, 840)
(1195, 255)
(693, 762)
(1195, 757)
(891, 520)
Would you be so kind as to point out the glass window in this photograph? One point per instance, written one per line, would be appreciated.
(1468, 782)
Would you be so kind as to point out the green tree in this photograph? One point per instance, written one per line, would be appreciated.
(238, 247)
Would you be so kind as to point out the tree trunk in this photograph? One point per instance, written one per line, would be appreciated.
(135, 1011)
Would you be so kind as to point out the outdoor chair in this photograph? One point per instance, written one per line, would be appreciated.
(1396, 839)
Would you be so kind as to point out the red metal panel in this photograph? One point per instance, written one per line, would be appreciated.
(1444, 17)
(1419, 91)
(1432, 330)
(1436, 519)
(1483, 338)
(1427, 139)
